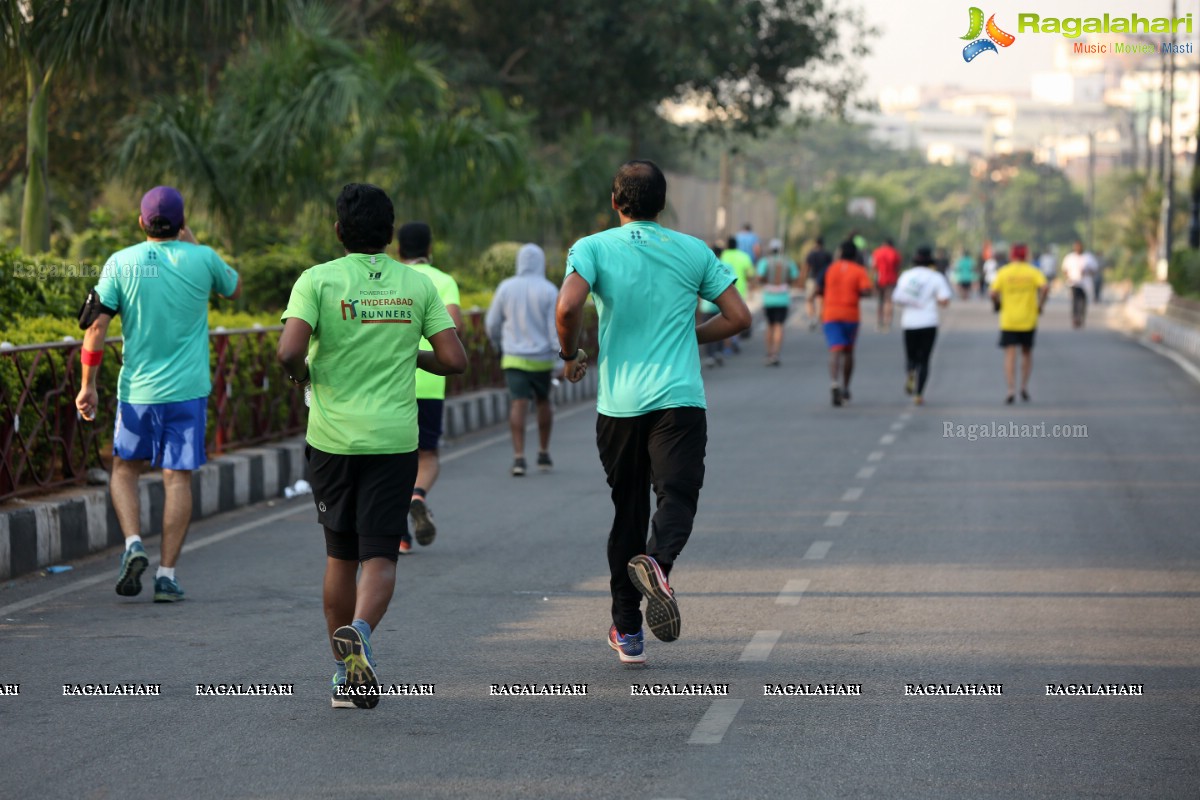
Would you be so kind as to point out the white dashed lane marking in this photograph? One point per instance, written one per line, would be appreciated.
(712, 726)
(818, 550)
(876, 455)
(897, 426)
(865, 473)
(836, 518)
(760, 646)
(852, 494)
(793, 590)
(887, 438)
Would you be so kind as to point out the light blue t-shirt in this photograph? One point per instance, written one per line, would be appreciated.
(777, 293)
(645, 279)
(161, 291)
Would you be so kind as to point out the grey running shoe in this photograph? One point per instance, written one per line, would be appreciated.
(662, 612)
(423, 527)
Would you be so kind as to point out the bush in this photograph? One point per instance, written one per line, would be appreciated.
(268, 275)
(1184, 273)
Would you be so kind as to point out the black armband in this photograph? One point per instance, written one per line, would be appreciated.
(91, 309)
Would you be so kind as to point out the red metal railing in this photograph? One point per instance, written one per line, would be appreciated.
(45, 445)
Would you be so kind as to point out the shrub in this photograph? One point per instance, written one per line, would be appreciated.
(1184, 273)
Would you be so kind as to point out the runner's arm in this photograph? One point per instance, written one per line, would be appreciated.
(733, 319)
(93, 340)
(293, 347)
(447, 356)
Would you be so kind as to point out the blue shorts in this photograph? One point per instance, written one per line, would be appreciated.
(841, 335)
(168, 435)
(429, 423)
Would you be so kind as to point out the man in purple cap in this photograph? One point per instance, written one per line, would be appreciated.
(160, 288)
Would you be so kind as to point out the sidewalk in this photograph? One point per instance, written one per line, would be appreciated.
(69, 524)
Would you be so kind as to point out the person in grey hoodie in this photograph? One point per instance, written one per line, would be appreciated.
(520, 323)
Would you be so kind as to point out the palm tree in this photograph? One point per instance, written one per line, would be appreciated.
(45, 38)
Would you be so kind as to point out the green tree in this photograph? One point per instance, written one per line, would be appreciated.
(43, 40)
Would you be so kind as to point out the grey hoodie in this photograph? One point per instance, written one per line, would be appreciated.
(520, 320)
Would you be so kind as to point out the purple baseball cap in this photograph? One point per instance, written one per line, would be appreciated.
(163, 201)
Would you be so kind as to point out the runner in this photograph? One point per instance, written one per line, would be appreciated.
(415, 241)
(747, 241)
(520, 324)
(651, 429)
(743, 269)
(1021, 291)
(713, 355)
(362, 425)
(846, 283)
(1079, 269)
(886, 260)
(920, 292)
(778, 274)
(964, 274)
(161, 289)
(815, 264)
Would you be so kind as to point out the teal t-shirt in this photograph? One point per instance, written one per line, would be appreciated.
(777, 291)
(161, 290)
(645, 279)
(368, 314)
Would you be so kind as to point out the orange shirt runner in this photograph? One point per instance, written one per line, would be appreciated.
(845, 283)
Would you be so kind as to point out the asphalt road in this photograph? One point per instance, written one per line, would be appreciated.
(859, 547)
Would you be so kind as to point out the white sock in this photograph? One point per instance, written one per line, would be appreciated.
(165, 572)
(131, 540)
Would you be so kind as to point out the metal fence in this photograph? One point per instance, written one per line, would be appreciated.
(44, 444)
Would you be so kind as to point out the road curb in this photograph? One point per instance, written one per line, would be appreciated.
(77, 522)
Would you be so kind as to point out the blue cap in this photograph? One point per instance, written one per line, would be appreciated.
(165, 202)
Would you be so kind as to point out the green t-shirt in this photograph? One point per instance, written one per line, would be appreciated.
(430, 386)
(742, 266)
(161, 290)
(368, 314)
(645, 279)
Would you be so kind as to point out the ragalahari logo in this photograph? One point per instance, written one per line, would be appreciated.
(995, 36)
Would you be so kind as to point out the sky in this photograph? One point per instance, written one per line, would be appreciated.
(919, 40)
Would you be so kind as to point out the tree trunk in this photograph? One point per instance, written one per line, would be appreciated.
(35, 211)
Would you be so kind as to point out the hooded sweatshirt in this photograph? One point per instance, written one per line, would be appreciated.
(520, 321)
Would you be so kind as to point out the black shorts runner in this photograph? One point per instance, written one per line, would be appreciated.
(363, 499)
(776, 315)
(429, 423)
(1024, 339)
(526, 385)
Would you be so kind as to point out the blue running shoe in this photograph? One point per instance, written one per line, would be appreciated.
(355, 652)
(133, 564)
(340, 699)
(631, 648)
(662, 612)
(166, 590)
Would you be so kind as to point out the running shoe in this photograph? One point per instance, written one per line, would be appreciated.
(662, 612)
(133, 563)
(340, 699)
(631, 648)
(544, 463)
(355, 653)
(918, 400)
(423, 526)
(1024, 396)
(518, 467)
(405, 546)
(166, 590)
(836, 393)
(846, 394)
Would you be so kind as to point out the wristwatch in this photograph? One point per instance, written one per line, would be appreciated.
(571, 357)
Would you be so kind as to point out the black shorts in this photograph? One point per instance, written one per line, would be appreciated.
(1023, 339)
(429, 423)
(776, 315)
(526, 385)
(362, 500)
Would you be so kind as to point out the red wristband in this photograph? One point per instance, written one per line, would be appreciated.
(91, 358)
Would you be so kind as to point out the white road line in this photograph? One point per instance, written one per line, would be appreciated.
(712, 726)
(792, 591)
(887, 438)
(897, 426)
(876, 455)
(836, 518)
(852, 494)
(818, 550)
(1167, 352)
(761, 645)
(907, 415)
(83, 583)
(865, 473)
(237, 530)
